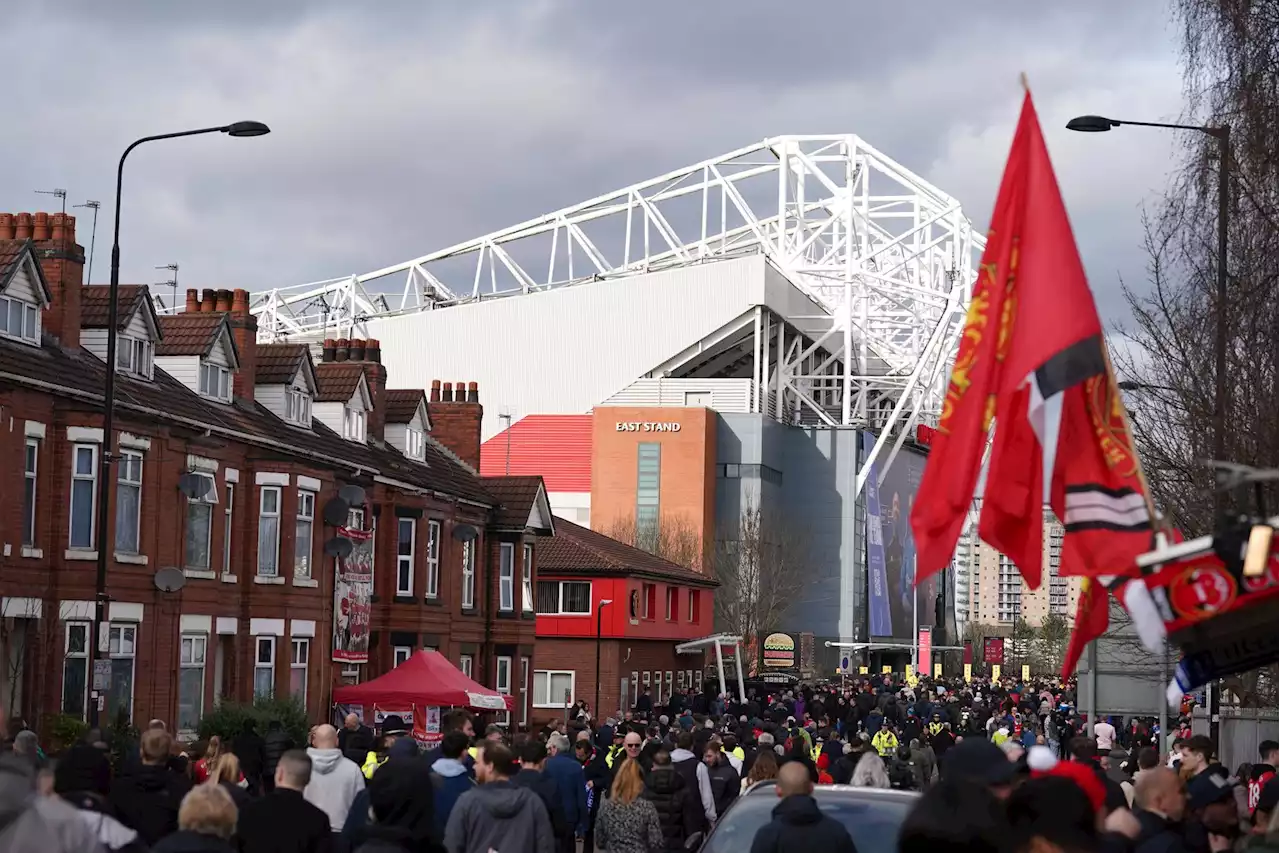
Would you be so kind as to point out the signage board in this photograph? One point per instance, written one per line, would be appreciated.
(647, 426)
(101, 675)
(779, 651)
(993, 650)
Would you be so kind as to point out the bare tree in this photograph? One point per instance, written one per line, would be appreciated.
(18, 634)
(675, 538)
(1050, 644)
(761, 570)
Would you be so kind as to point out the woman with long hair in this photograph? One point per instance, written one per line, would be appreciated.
(227, 774)
(764, 767)
(628, 823)
(209, 761)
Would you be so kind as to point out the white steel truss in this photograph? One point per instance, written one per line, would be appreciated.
(888, 257)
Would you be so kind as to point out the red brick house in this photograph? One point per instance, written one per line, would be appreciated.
(273, 437)
(655, 605)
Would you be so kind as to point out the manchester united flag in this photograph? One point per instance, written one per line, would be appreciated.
(1033, 359)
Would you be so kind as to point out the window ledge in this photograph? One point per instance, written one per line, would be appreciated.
(309, 583)
(402, 598)
(81, 554)
(34, 553)
(202, 574)
(132, 559)
(226, 578)
(432, 600)
(471, 611)
(269, 579)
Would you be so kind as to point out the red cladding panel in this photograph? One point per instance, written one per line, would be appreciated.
(556, 446)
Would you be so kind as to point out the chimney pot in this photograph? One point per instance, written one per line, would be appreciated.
(240, 302)
(473, 392)
(58, 227)
(435, 390)
(355, 351)
(327, 352)
(71, 229)
(193, 301)
(208, 301)
(22, 227)
(340, 349)
(6, 226)
(373, 350)
(223, 302)
(446, 395)
(40, 226)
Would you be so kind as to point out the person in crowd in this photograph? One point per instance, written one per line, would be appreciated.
(82, 777)
(251, 749)
(335, 780)
(228, 775)
(533, 758)
(628, 822)
(275, 744)
(147, 797)
(451, 778)
(31, 823)
(1160, 802)
(798, 824)
(726, 784)
(978, 760)
(401, 800)
(496, 815)
(870, 771)
(1052, 813)
(1148, 759)
(456, 720)
(764, 767)
(678, 807)
(355, 739)
(955, 816)
(695, 775)
(283, 821)
(27, 746)
(1104, 735)
(571, 782)
(205, 765)
(206, 822)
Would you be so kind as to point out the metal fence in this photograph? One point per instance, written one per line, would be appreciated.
(1239, 733)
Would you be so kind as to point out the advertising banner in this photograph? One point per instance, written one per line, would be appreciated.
(968, 673)
(937, 670)
(426, 725)
(352, 594)
(879, 622)
(924, 642)
(779, 651)
(995, 672)
(993, 650)
(1026, 672)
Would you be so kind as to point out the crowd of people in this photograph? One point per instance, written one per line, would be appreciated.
(1005, 767)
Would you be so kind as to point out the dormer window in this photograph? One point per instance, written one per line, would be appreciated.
(215, 382)
(415, 444)
(134, 356)
(297, 407)
(353, 424)
(20, 320)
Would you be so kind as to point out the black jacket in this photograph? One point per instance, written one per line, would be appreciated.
(356, 743)
(283, 822)
(545, 787)
(192, 842)
(1158, 835)
(147, 800)
(725, 784)
(799, 826)
(250, 749)
(679, 809)
(275, 744)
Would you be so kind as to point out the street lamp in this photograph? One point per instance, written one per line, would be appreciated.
(238, 129)
(599, 616)
(1101, 124)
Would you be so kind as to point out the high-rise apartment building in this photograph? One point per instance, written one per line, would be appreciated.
(996, 591)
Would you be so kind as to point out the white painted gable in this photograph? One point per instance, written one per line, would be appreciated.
(25, 286)
(540, 513)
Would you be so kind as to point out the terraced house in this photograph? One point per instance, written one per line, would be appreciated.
(269, 436)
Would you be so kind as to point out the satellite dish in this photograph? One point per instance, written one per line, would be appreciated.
(464, 533)
(195, 486)
(170, 579)
(338, 546)
(353, 495)
(335, 512)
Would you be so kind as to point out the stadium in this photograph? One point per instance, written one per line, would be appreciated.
(766, 332)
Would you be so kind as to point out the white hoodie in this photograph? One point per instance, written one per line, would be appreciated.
(335, 782)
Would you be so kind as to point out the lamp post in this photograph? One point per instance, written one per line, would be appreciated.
(238, 129)
(599, 620)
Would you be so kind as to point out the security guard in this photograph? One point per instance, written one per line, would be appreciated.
(885, 741)
(393, 728)
(935, 725)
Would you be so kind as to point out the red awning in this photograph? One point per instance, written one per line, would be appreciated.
(425, 679)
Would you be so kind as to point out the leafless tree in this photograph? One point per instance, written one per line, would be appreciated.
(18, 634)
(1050, 644)
(761, 569)
(676, 539)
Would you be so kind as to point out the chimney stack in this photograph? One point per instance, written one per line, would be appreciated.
(456, 419)
(62, 262)
(373, 350)
(6, 226)
(341, 346)
(327, 353)
(40, 227)
(22, 227)
(222, 301)
(355, 350)
(244, 329)
(208, 301)
(193, 301)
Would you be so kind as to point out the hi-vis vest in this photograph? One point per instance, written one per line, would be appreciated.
(935, 728)
(473, 752)
(739, 754)
(613, 753)
(371, 763)
(816, 751)
(885, 743)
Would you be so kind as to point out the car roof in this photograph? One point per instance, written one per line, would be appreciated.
(848, 792)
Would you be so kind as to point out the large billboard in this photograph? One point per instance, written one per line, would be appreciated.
(890, 593)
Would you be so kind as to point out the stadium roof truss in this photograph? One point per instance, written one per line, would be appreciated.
(888, 259)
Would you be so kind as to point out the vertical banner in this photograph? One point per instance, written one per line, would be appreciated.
(995, 672)
(993, 650)
(924, 642)
(886, 669)
(426, 724)
(968, 651)
(968, 673)
(1026, 672)
(937, 670)
(879, 621)
(862, 670)
(352, 595)
(909, 671)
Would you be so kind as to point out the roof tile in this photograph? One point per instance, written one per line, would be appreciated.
(516, 497)
(95, 302)
(187, 334)
(575, 550)
(402, 404)
(337, 380)
(277, 364)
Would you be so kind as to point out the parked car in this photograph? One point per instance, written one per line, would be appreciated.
(873, 817)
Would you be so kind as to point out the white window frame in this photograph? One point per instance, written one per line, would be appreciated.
(526, 579)
(134, 356)
(673, 603)
(29, 332)
(297, 407)
(209, 500)
(30, 490)
(125, 480)
(506, 577)
(551, 701)
(353, 423)
(125, 628)
(304, 545)
(404, 562)
(92, 479)
(415, 443)
(469, 549)
(260, 664)
(263, 515)
(68, 655)
(693, 608)
(525, 665)
(193, 661)
(466, 665)
(299, 663)
(502, 686)
(228, 522)
(215, 382)
(400, 654)
(560, 599)
(434, 530)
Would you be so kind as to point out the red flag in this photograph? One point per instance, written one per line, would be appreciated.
(1091, 622)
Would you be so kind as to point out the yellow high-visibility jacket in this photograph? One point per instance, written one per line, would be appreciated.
(371, 763)
(885, 743)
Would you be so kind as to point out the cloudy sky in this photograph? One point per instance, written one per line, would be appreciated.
(402, 127)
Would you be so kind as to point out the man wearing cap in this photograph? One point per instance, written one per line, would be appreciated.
(979, 760)
(395, 742)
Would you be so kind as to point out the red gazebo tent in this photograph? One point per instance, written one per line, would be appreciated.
(425, 679)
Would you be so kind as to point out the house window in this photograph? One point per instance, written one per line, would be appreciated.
(30, 470)
(300, 653)
(19, 320)
(75, 669)
(302, 534)
(524, 691)
(433, 559)
(297, 407)
(648, 601)
(200, 525)
(671, 603)
(134, 355)
(464, 665)
(506, 576)
(469, 573)
(264, 669)
(415, 443)
(215, 381)
(191, 681)
(121, 648)
(269, 532)
(550, 688)
(648, 477)
(405, 542)
(400, 654)
(84, 481)
(353, 424)
(526, 580)
(128, 502)
(564, 598)
(502, 684)
(693, 605)
(226, 529)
